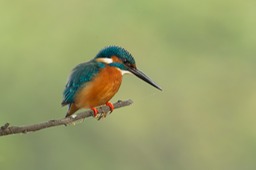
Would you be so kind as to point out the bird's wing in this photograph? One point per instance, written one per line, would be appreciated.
(80, 75)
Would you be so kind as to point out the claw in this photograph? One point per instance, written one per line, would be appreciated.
(111, 106)
(102, 115)
(96, 115)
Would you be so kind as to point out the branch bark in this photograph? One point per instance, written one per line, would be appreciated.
(9, 130)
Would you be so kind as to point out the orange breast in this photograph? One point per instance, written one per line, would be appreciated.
(101, 89)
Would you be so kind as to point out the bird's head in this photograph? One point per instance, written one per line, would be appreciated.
(120, 58)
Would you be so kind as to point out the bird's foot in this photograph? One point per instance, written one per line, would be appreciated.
(95, 111)
(111, 106)
(96, 114)
(104, 114)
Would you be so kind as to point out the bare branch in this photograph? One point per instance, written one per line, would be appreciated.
(9, 130)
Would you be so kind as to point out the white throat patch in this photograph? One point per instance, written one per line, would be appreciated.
(124, 71)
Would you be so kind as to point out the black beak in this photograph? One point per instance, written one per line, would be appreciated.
(143, 77)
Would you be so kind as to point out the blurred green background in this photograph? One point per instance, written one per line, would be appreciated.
(202, 53)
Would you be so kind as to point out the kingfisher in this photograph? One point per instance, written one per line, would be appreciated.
(95, 82)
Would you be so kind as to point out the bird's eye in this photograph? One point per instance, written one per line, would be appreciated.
(126, 62)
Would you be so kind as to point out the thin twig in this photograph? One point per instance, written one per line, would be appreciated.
(6, 129)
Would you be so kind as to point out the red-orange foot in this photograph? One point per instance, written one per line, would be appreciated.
(111, 106)
(95, 111)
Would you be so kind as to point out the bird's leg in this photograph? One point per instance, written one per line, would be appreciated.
(104, 114)
(95, 111)
(111, 106)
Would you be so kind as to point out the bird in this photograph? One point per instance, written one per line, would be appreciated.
(95, 82)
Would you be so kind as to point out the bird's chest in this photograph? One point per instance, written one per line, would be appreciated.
(101, 89)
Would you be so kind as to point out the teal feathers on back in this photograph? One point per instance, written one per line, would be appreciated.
(80, 75)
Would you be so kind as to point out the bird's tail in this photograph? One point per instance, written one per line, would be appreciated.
(71, 110)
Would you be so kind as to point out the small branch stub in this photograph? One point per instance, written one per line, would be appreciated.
(6, 129)
(5, 126)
